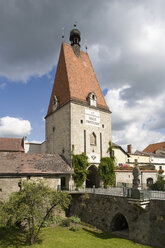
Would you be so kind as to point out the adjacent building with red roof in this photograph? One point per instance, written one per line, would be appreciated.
(11, 144)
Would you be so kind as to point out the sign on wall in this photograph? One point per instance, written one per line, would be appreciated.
(92, 118)
(94, 158)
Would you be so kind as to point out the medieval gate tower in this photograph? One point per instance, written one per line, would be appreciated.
(78, 117)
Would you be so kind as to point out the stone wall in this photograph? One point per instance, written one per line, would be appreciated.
(78, 126)
(58, 132)
(146, 226)
(125, 177)
(9, 184)
(65, 129)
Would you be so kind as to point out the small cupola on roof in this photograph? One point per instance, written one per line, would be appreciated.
(75, 38)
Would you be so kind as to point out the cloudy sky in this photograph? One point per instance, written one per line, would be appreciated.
(126, 44)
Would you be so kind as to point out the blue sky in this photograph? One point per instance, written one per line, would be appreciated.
(28, 101)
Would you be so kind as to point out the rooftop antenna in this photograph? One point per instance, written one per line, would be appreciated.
(62, 34)
(86, 47)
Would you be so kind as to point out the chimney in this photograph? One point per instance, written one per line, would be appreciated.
(129, 148)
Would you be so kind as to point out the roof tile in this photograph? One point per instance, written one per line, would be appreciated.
(75, 79)
(11, 144)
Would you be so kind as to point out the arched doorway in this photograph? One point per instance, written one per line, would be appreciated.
(93, 178)
(119, 224)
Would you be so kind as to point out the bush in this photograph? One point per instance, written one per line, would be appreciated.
(159, 185)
(75, 219)
(66, 222)
(74, 229)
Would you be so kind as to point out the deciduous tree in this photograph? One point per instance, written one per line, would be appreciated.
(33, 205)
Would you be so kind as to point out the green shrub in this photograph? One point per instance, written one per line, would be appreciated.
(75, 219)
(74, 229)
(66, 222)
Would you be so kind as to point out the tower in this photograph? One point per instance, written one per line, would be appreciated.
(78, 117)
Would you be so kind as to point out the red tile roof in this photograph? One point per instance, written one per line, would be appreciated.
(11, 144)
(75, 79)
(154, 147)
(25, 163)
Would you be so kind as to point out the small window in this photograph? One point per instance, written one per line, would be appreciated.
(72, 148)
(0, 190)
(54, 129)
(81, 121)
(28, 177)
(160, 167)
(102, 125)
(149, 181)
(93, 139)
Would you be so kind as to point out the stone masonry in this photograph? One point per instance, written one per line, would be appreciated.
(146, 226)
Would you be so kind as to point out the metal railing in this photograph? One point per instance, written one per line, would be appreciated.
(116, 191)
(150, 194)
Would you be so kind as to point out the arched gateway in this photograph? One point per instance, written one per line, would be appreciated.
(93, 178)
(119, 224)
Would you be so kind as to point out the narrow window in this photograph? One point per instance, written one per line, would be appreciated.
(85, 141)
(101, 145)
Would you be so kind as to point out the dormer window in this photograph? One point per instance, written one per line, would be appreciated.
(55, 103)
(92, 99)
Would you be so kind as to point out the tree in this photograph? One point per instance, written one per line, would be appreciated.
(107, 167)
(33, 205)
(80, 165)
(159, 184)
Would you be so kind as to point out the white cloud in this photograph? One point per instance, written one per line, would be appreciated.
(14, 127)
(140, 124)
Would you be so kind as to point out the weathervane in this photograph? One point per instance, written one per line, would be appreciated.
(75, 24)
(86, 47)
(62, 34)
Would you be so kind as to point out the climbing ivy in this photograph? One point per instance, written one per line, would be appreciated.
(107, 167)
(80, 165)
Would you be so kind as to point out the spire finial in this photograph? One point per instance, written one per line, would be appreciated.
(75, 39)
(62, 34)
(86, 47)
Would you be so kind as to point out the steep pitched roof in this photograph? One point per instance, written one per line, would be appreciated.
(154, 147)
(75, 79)
(11, 144)
(24, 163)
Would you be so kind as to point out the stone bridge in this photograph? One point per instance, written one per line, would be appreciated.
(123, 216)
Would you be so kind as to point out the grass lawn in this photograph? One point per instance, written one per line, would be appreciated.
(62, 237)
